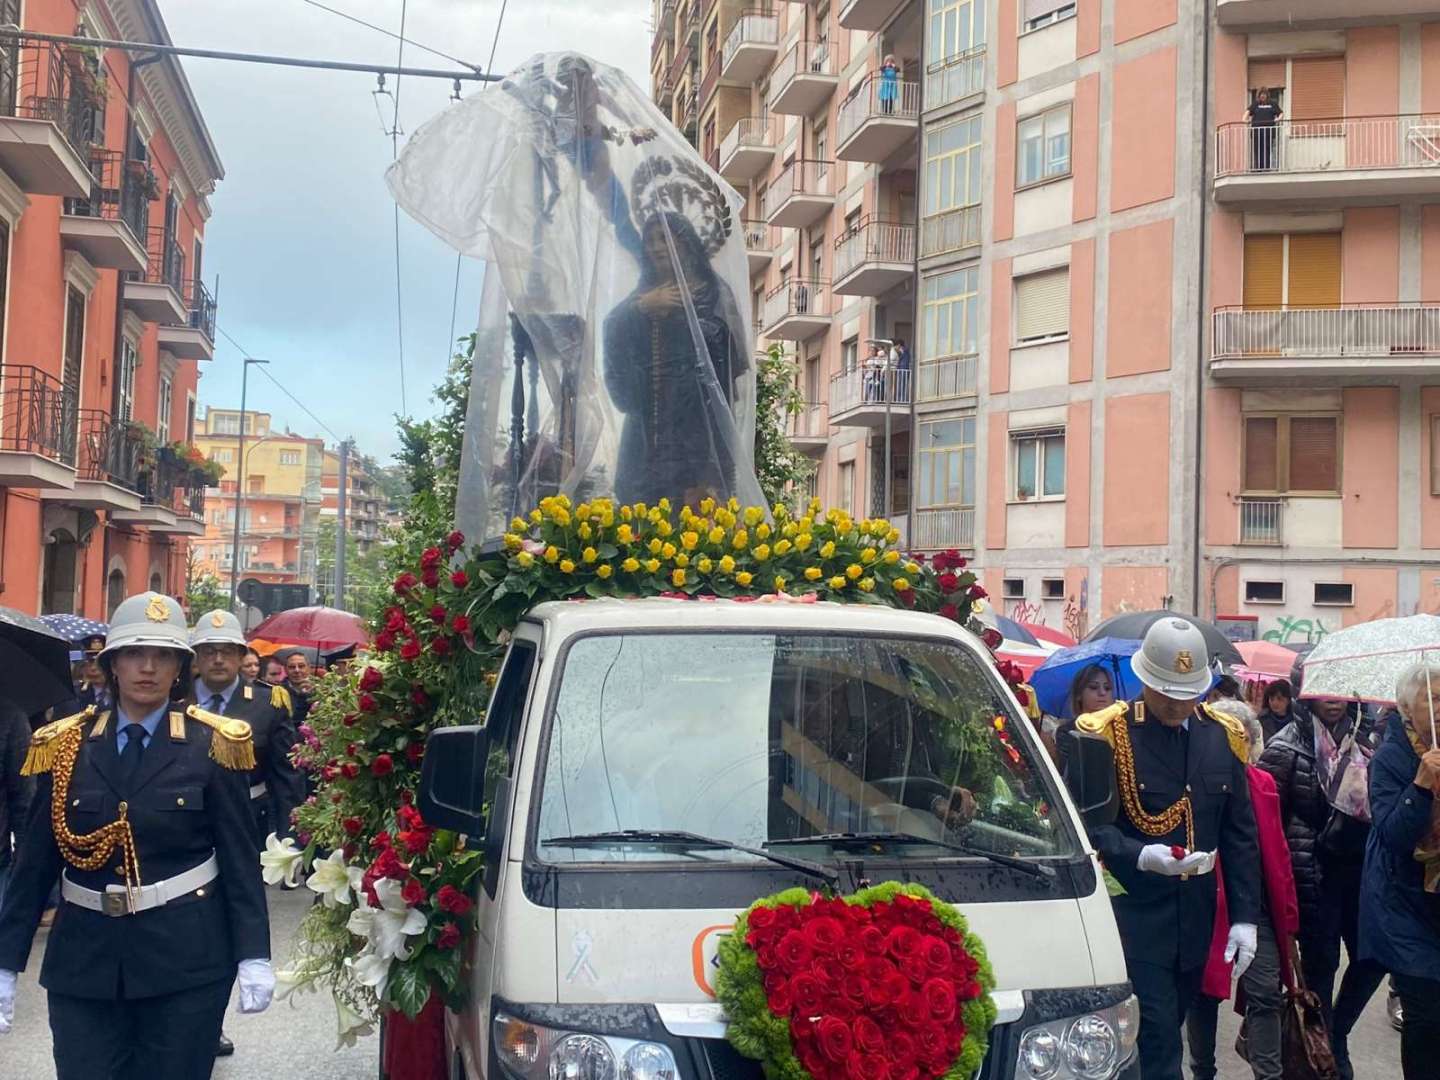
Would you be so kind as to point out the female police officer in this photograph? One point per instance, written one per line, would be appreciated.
(143, 813)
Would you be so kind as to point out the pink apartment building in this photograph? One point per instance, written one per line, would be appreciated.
(1162, 359)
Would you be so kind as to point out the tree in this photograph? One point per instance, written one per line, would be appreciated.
(203, 591)
(779, 467)
(365, 574)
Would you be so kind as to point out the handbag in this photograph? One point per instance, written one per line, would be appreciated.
(1305, 1051)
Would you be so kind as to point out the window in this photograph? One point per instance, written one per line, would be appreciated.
(1012, 588)
(125, 387)
(845, 498)
(1042, 305)
(952, 166)
(74, 355)
(945, 456)
(817, 256)
(1435, 454)
(224, 455)
(1044, 146)
(1052, 588)
(1298, 270)
(1264, 592)
(956, 28)
(1317, 89)
(4, 277)
(820, 145)
(850, 354)
(1334, 594)
(1039, 464)
(812, 380)
(1042, 13)
(162, 409)
(289, 457)
(1292, 453)
(949, 314)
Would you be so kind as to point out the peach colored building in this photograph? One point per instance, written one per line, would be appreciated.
(105, 170)
(1161, 359)
(363, 506)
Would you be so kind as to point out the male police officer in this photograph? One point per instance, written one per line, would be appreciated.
(1180, 772)
(146, 812)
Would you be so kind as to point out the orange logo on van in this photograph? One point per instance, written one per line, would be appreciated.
(700, 963)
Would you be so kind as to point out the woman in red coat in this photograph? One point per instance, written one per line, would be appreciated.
(1262, 987)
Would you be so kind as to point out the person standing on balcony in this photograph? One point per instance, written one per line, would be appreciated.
(889, 84)
(1262, 116)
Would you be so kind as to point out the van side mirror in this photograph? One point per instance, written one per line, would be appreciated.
(1090, 776)
(452, 779)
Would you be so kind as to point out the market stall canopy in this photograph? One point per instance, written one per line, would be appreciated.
(321, 628)
(34, 663)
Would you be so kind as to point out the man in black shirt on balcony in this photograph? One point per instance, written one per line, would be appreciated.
(1263, 116)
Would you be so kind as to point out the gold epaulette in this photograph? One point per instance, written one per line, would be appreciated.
(46, 742)
(231, 745)
(1103, 722)
(280, 699)
(1234, 733)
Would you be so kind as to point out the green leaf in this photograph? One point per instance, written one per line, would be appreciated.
(445, 965)
(596, 589)
(409, 987)
(608, 551)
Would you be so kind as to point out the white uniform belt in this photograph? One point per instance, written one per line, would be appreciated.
(117, 900)
(256, 790)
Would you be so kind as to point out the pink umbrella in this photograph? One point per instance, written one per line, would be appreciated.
(1050, 634)
(1267, 658)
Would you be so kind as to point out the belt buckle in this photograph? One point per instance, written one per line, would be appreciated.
(115, 903)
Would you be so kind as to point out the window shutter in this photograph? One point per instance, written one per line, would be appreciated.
(1435, 455)
(1042, 304)
(1314, 454)
(1317, 90)
(1267, 75)
(1035, 9)
(1314, 270)
(1264, 265)
(1261, 446)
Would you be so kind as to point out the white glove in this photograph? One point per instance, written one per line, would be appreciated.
(1156, 859)
(1240, 946)
(7, 1000)
(257, 985)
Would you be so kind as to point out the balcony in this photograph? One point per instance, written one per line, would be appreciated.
(761, 240)
(1354, 341)
(751, 47)
(109, 464)
(946, 377)
(950, 231)
(868, 14)
(804, 79)
(748, 148)
(665, 90)
(1261, 522)
(1346, 162)
(192, 338)
(955, 78)
(105, 226)
(38, 417)
(873, 258)
(944, 528)
(796, 310)
(878, 119)
(808, 430)
(47, 100)
(156, 481)
(802, 194)
(187, 503)
(1252, 15)
(155, 293)
(863, 398)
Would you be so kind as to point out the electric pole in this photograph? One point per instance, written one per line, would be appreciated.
(344, 493)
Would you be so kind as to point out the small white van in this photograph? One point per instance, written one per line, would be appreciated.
(649, 768)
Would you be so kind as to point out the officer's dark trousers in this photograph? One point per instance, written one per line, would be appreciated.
(156, 1038)
(1165, 994)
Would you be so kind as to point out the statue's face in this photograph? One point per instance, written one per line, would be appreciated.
(657, 250)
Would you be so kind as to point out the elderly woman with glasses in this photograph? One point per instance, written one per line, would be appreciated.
(1400, 901)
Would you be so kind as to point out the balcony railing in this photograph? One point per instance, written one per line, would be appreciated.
(946, 377)
(950, 230)
(805, 58)
(809, 423)
(760, 236)
(802, 297)
(940, 529)
(852, 389)
(109, 453)
(61, 84)
(1358, 330)
(874, 242)
(954, 77)
(119, 192)
(1314, 146)
(756, 131)
(201, 306)
(188, 499)
(804, 176)
(1261, 521)
(159, 478)
(165, 261)
(751, 28)
(38, 413)
(877, 99)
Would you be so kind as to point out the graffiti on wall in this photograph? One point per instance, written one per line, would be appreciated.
(1076, 614)
(1290, 630)
(1025, 612)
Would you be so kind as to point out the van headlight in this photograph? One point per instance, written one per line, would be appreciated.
(1090, 1047)
(534, 1052)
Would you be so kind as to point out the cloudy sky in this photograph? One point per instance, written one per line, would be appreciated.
(302, 235)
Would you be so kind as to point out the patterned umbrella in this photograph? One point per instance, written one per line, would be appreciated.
(75, 628)
(1366, 660)
(34, 663)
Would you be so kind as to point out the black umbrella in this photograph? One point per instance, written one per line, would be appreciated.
(34, 663)
(1133, 624)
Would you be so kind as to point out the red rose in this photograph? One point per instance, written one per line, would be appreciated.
(824, 934)
(933, 1045)
(460, 624)
(384, 641)
(452, 900)
(949, 611)
(449, 937)
(383, 765)
(907, 597)
(948, 583)
(419, 698)
(410, 650)
(366, 703)
(347, 852)
(371, 679)
(350, 770)
(1177, 851)
(387, 865)
(430, 577)
(902, 941)
(977, 592)
(349, 719)
(404, 583)
(780, 999)
(416, 840)
(413, 893)
(455, 540)
(835, 1038)
(394, 617)
(353, 825)
(440, 646)
(794, 951)
(940, 999)
(941, 561)
(431, 556)
(380, 840)
(806, 992)
(936, 953)
(438, 614)
(459, 579)
(761, 919)
(872, 940)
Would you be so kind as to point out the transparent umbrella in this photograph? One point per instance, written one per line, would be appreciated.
(1365, 661)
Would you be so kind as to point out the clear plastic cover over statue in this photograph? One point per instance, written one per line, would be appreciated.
(612, 357)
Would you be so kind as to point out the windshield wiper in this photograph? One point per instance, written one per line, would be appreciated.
(694, 840)
(857, 839)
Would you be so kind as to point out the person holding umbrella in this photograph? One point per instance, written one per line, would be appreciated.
(139, 968)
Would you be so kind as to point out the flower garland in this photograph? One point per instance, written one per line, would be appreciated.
(885, 984)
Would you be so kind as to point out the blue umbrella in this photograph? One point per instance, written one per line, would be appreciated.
(75, 628)
(1052, 679)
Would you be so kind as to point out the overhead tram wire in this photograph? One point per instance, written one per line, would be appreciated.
(391, 34)
(300, 404)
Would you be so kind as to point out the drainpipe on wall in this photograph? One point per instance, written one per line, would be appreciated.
(1197, 534)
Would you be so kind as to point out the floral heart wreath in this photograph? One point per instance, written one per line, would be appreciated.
(885, 984)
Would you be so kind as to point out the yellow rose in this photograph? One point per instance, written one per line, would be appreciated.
(677, 578)
(892, 536)
(664, 528)
(664, 504)
(655, 547)
(689, 540)
(682, 560)
(779, 583)
(563, 500)
(740, 540)
(582, 511)
(744, 577)
(832, 516)
(566, 566)
(789, 530)
(912, 567)
(867, 556)
(536, 517)
(653, 516)
(762, 552)
(583, 532)
(552, 553)
(524, 560)
(717, 535)
(517, 524)
(853, 571)
(589, 554)
(781, 511)
(867, 584)
(604, 570)
(727, 564)
(754, 515)
(624, 535)
(827, 549)
(641, 510)
(838, 581)
(667, 551)
(813, 573)
(815, 505)
(732, 504)
(782, 546)
(802, 541)
(607, 518)
(901, 584)
(653, 565)
(561, 516)
(806, 523)
(707, 505)
(763, 531)
(625, 513)
(704, 565)
(630, 565)
(891, 558)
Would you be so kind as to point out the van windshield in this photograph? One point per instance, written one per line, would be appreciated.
(764, 739)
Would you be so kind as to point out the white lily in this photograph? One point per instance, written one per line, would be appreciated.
(393, 921)
(350, 1025)
(280, 861)
(371, 969)
(291, 981)
(334, 881)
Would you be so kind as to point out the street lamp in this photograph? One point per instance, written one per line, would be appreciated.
(240, 481)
